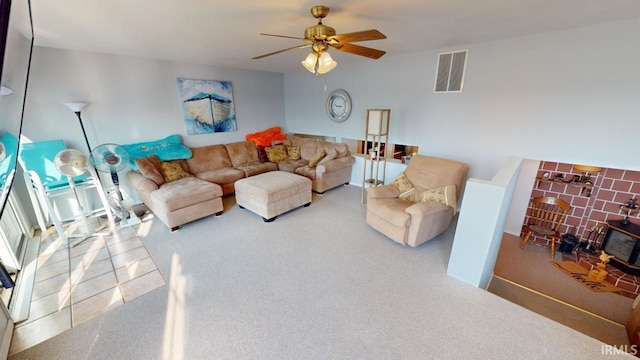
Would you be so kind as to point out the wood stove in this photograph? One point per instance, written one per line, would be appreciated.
(623, 242)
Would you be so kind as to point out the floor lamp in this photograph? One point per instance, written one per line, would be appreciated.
(77, 107)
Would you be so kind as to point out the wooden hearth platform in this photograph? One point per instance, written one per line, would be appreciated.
(629, 284)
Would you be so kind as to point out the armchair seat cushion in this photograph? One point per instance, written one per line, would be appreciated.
(391, 209)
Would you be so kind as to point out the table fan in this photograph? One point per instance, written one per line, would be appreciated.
(71, 163)
(111, 158)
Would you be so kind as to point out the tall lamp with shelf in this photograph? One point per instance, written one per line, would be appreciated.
(375, 161)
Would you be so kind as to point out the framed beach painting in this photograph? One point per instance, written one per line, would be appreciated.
(207, 106)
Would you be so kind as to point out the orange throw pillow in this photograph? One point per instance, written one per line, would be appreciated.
(265, 137)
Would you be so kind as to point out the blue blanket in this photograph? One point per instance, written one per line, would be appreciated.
(169, 148)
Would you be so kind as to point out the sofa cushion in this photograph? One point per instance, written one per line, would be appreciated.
(222, 176)
(243, 152)
(341, 149)
(293, 152)
(308, 149)
(276, 153)
(208, 158)
(256, 168)
(183, 193)
(285, 142)
(150, 167)
(306, 171)
(174, 170)
(291, 165)
(315, 159)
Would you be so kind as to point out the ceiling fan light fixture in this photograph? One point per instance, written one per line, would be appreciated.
(326, 63)
(310, 62)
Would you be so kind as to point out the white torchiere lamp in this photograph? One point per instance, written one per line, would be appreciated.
(77, 107)
(319, 60)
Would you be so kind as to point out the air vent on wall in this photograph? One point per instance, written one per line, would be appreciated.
(451, 68)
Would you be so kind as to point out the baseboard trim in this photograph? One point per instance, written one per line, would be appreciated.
(21, 301)
(559, 301)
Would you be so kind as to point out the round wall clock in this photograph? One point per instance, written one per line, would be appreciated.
(338, 105)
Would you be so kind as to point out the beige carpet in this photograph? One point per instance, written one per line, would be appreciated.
(317, 283)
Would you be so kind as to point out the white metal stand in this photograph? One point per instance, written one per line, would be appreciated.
(41, 199)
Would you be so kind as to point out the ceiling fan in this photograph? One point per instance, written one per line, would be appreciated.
(321, 37)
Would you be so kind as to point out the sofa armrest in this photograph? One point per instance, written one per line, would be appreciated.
(335, 164)
(141, 182)
(383, 192)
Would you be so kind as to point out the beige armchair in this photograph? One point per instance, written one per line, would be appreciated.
(412, 217)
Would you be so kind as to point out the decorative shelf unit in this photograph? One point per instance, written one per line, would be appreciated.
(376, 139)
(582, 186)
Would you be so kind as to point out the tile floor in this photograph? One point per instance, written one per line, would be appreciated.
(75, 284)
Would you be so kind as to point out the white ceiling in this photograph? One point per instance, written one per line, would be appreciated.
(226, 33)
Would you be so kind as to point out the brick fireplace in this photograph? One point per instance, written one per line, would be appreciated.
(610, 189)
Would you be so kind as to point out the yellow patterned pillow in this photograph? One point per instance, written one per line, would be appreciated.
(316, 158)
(402, 183)
(293, 152)
(445, 195)
(411, 195)
(276, 153)
(173, 170)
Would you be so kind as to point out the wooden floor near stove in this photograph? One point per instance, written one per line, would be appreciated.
(526, 277)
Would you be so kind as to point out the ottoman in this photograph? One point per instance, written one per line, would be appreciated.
(273, 193)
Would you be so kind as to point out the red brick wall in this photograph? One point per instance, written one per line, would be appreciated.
(611, 188)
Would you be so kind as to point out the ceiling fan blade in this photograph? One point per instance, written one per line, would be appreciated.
(360, 50)
(358, 36)
(283, 50)
(283, 36)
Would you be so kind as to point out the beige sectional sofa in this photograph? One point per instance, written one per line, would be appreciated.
(333, 170)
(214, 169)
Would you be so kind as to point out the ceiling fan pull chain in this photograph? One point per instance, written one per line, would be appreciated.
(325, 83)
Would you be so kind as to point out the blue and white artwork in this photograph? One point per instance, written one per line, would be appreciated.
(207, 106)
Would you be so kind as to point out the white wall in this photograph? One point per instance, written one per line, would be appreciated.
(569, 96)
(483, 215)
(133, 99)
